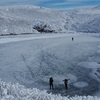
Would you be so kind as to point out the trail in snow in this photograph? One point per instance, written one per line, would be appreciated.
(7, 39)
(28, 37)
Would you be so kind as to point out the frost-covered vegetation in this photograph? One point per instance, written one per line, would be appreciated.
(10, 91)
(42, 27)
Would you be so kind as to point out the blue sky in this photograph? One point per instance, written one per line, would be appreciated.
(56, 4)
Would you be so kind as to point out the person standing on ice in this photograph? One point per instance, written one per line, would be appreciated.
(66, 83)
(51, 83)
(72, 38)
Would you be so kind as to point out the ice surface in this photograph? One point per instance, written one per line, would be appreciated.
(30, 60)
(81, 84)
(93, 65)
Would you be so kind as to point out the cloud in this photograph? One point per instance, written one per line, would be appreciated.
(64, 3)
(81, 1)
(51, 3)
(21, 2)
(75, 3)
(74, 0)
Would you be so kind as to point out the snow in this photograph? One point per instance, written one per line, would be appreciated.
(22, 19)
(31, 59)
(10, 91)
(84, 20)
(19, 38)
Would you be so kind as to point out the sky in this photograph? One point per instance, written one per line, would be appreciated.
(55, 4)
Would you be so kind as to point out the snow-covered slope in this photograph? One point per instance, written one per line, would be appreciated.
(21, 19)
(32, 19)
(85, 20)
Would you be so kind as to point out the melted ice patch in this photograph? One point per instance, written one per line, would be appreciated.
(98, 51)
(81, 84)
(89, 64)
(99, 47)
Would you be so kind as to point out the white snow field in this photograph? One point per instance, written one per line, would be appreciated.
(31, 60)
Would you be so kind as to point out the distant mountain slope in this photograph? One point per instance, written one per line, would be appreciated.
(85, 20)
(33, 19)
(21, 19)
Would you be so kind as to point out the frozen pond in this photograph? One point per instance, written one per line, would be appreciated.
(31, 60)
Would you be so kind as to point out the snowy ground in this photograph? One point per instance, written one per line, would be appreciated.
(10, 91)
(31, 60)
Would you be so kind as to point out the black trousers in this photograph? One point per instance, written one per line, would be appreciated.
(66, 86)
(51, 86)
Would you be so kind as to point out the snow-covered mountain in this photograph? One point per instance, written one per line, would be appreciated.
(85, 20)
(22, 19)
(33, 19)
